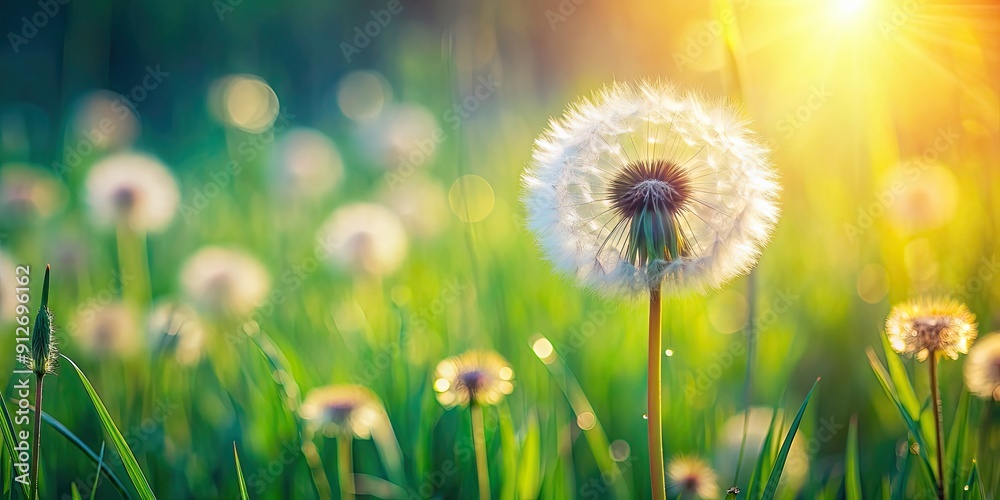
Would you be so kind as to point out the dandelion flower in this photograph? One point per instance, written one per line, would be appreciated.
(480, 377)
(306, 163)
(131, 189)
(982, 368)
(8, 299)
(225, 281)
(340, 410)
(690, 477)
(421, 205)
(402, 136)
(107, 330)
(104, 120)
(364, 238)
(28, 193)
(925, 326)
(177, 328)
(644, 185)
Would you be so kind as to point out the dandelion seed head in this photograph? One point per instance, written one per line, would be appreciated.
(131, 189)
(420, 203)
(691, 477)
(104, 120)
(108, 330)
(982, 367)
(481, 377)
(364, 238)
(306, 163)
(341, 410)
(644, 185)
(28, 194)
(178, 329)
(224, 281)
(926, 326)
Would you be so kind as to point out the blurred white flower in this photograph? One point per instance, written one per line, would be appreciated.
(306, 163)
(645, 185)
(473, 377)
(337, 410)
(361, 95)
(402, 136)
(731, 437)
(28, 193)
(225, 281)
(8, 300)
(107, 330)
(364, 238)
(982, 367)
(132, 189)
(176, 328)
(420, 203)
(104, 119)
(690, 477)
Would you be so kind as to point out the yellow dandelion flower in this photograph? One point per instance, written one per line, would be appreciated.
(481, 377)
(930, 325)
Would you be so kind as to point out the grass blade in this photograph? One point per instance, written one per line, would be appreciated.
(956, 445)
(975, 481)
(128, 459)
(853, 474)
(765, 458)
(8, 441)
(72, 438)
(779, 464)
(529, 465)
(97, 477)
(912, 425)
(239, 472)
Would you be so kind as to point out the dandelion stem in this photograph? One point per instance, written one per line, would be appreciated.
(37, 442)
(345, 466)
(654, 398)
(479, 442)
(939, 434)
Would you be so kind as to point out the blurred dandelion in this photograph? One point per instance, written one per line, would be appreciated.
(691, 477)
(361, 95)
(929, 327)
(364, 238)
(758, 423)
(926, 198)
(225, 281)
(306, 163)
(345, 412)
(982, 368)
(421, 205)
(401, 137)
(109, 330)
(104, 119)
(475, 379)
(28, 193)
(644, 188)
(131, 189)
(177, 329)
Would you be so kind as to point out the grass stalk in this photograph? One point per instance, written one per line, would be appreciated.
(654, 402)
(479, 443)
(345, 465)
(37, 437)
(938, 433)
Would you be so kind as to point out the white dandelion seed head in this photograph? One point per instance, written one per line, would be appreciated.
(420, 203)
(133, 189)
(178, 329)
(645, 185)
(105, 120)
(107, 330)
(982, 368)
(401, 136)
(225, 281)
(364, 238)
(28, 193)
(8, 278)
(306, 163)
